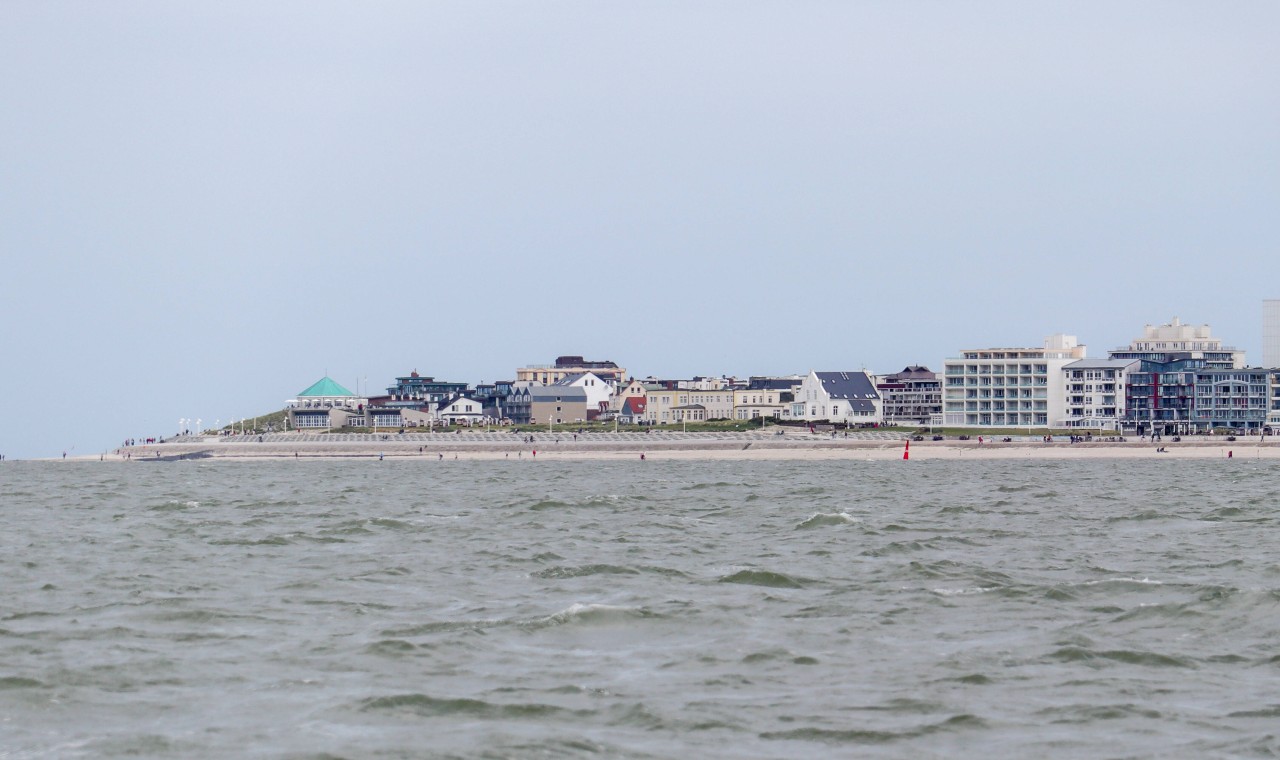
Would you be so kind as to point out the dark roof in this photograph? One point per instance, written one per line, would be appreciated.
(914, 372)
(557, 393)
(578, 361)
(772, 383)
(855, 387)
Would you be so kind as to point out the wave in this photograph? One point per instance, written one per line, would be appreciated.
(762, 578)
(425, 705)
(591, 614)
(863, 736)
(827, 519)
(1126, 656)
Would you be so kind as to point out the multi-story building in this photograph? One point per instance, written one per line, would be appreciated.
(1273, 408)
(415, 390)
(750, 404)
(838, 397)
(1008, 387)
(1095, 393)
(665, 406)
(1233, 399)
(598, 391)
(539, 404)
(1271, 333)
(911, 397)
(548, 374)
(1178, 341)
(1161, 394)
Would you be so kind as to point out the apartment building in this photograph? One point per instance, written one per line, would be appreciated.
(1095, 393)
(1008, 387)
(674, 405)
(910, 397)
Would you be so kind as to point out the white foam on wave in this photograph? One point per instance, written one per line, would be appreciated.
(964, 591)
(1123, 580)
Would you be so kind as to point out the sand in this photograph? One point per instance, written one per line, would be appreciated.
(673, 447)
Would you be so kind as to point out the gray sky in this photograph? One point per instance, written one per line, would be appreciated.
(205, 207)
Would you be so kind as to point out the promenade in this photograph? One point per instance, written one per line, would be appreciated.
(672, 444)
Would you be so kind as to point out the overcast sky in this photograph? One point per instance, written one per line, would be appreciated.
(205, 207)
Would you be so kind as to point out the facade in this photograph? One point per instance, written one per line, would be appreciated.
(1008, 387)
(912, 396)
(325, 404)
(459, 410)
(773, 404)
(548, 374)
(665, 406)
(1273, 409)
(1176, 340)
(1185, 395)
(839, 397)
(1271, 333)
(415, 390)
(632, 410)
(631, 389)
(598, 391)
(1095, 393)
(558, 404)
(1232, 399)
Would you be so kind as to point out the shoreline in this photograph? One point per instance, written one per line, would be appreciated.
(671, 446)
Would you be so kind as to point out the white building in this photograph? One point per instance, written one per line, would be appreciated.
(598, 389)
(840, 397)
(1271, 333)
(1095, 393)
(1008, 387)
(1197, 341)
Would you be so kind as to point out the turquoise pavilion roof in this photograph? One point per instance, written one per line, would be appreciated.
(325, 386)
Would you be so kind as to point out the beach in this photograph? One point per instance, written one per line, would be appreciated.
(672, 445)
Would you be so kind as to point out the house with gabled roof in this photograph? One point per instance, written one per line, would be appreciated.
(632, 411)
(460, 409)
(597, 388)
(839, 397)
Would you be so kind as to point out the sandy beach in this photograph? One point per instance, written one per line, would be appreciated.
(605, 446)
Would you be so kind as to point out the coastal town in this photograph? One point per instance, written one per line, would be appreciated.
(1173, 379)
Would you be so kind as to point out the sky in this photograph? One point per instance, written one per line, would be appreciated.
(206, 207)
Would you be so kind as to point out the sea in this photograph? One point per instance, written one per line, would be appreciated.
(511, 608)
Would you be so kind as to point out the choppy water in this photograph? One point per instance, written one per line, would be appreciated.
(640, 609)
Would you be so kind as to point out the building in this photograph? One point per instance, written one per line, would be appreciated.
(665, 406)
(1185, 395)
(415, 390)
(1273, 409)
(1196, 342)
(632, 410)
(1008, 387)
(1271, 333)
(558, 404)
(1095, 393)
(910, 397)
(769, 403)
(459, 410)
(1231, 399)
(324, 405)
(548, 374)
(838, 397)
(598, 391)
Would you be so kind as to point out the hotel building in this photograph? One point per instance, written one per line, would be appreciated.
(1008, 387)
